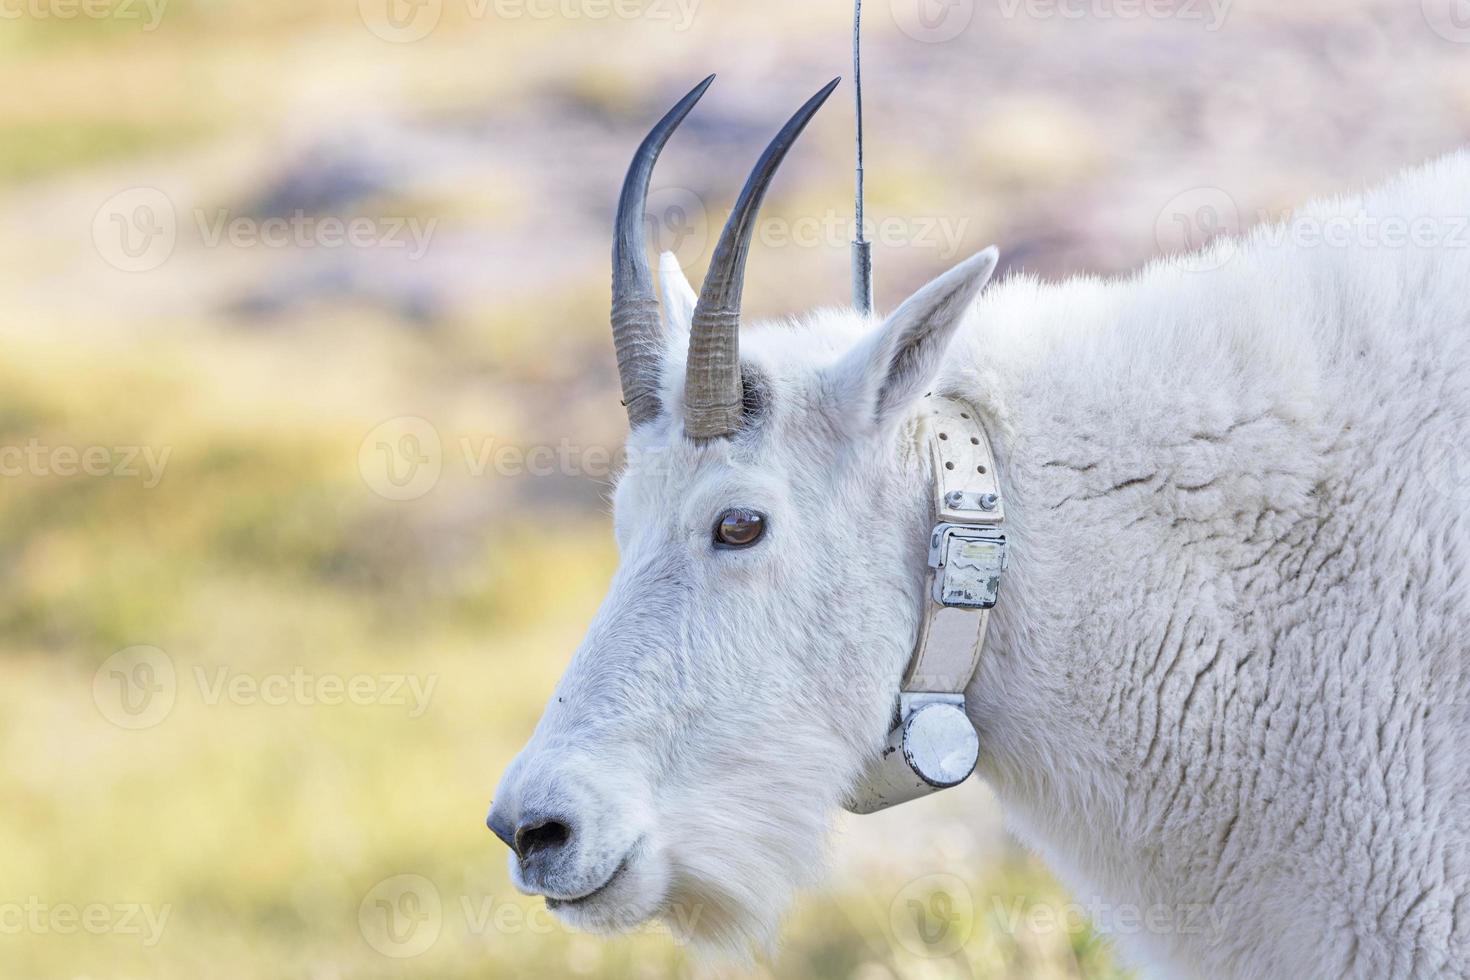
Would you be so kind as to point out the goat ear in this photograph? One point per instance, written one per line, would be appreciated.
(895, 366)
(678, 295)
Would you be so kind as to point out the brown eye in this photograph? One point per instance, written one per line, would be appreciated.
(739, 528)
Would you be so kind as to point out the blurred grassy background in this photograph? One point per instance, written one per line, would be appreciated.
(249, 403)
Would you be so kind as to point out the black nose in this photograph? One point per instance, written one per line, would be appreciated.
(501, 829)
(533, 834)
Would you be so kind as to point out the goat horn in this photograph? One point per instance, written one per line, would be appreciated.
(635, 321)
(712, 390)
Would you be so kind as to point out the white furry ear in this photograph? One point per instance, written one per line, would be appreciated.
(893, 367)
(678, 296)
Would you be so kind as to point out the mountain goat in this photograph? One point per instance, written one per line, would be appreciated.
(1228, 667)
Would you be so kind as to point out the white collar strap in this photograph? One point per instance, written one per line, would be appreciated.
(933, 745)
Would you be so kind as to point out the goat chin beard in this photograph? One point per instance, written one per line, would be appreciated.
(739, 852)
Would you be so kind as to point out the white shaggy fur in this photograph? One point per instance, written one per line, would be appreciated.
(1228, 679)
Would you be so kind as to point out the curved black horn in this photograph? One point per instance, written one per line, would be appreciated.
(712, 395)
(635, 319)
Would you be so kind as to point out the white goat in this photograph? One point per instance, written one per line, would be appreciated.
(1229, 666)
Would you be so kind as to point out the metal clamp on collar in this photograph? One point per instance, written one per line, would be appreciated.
(967, 562)
(933, 746)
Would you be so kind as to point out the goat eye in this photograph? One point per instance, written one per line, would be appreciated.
(739, 528)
